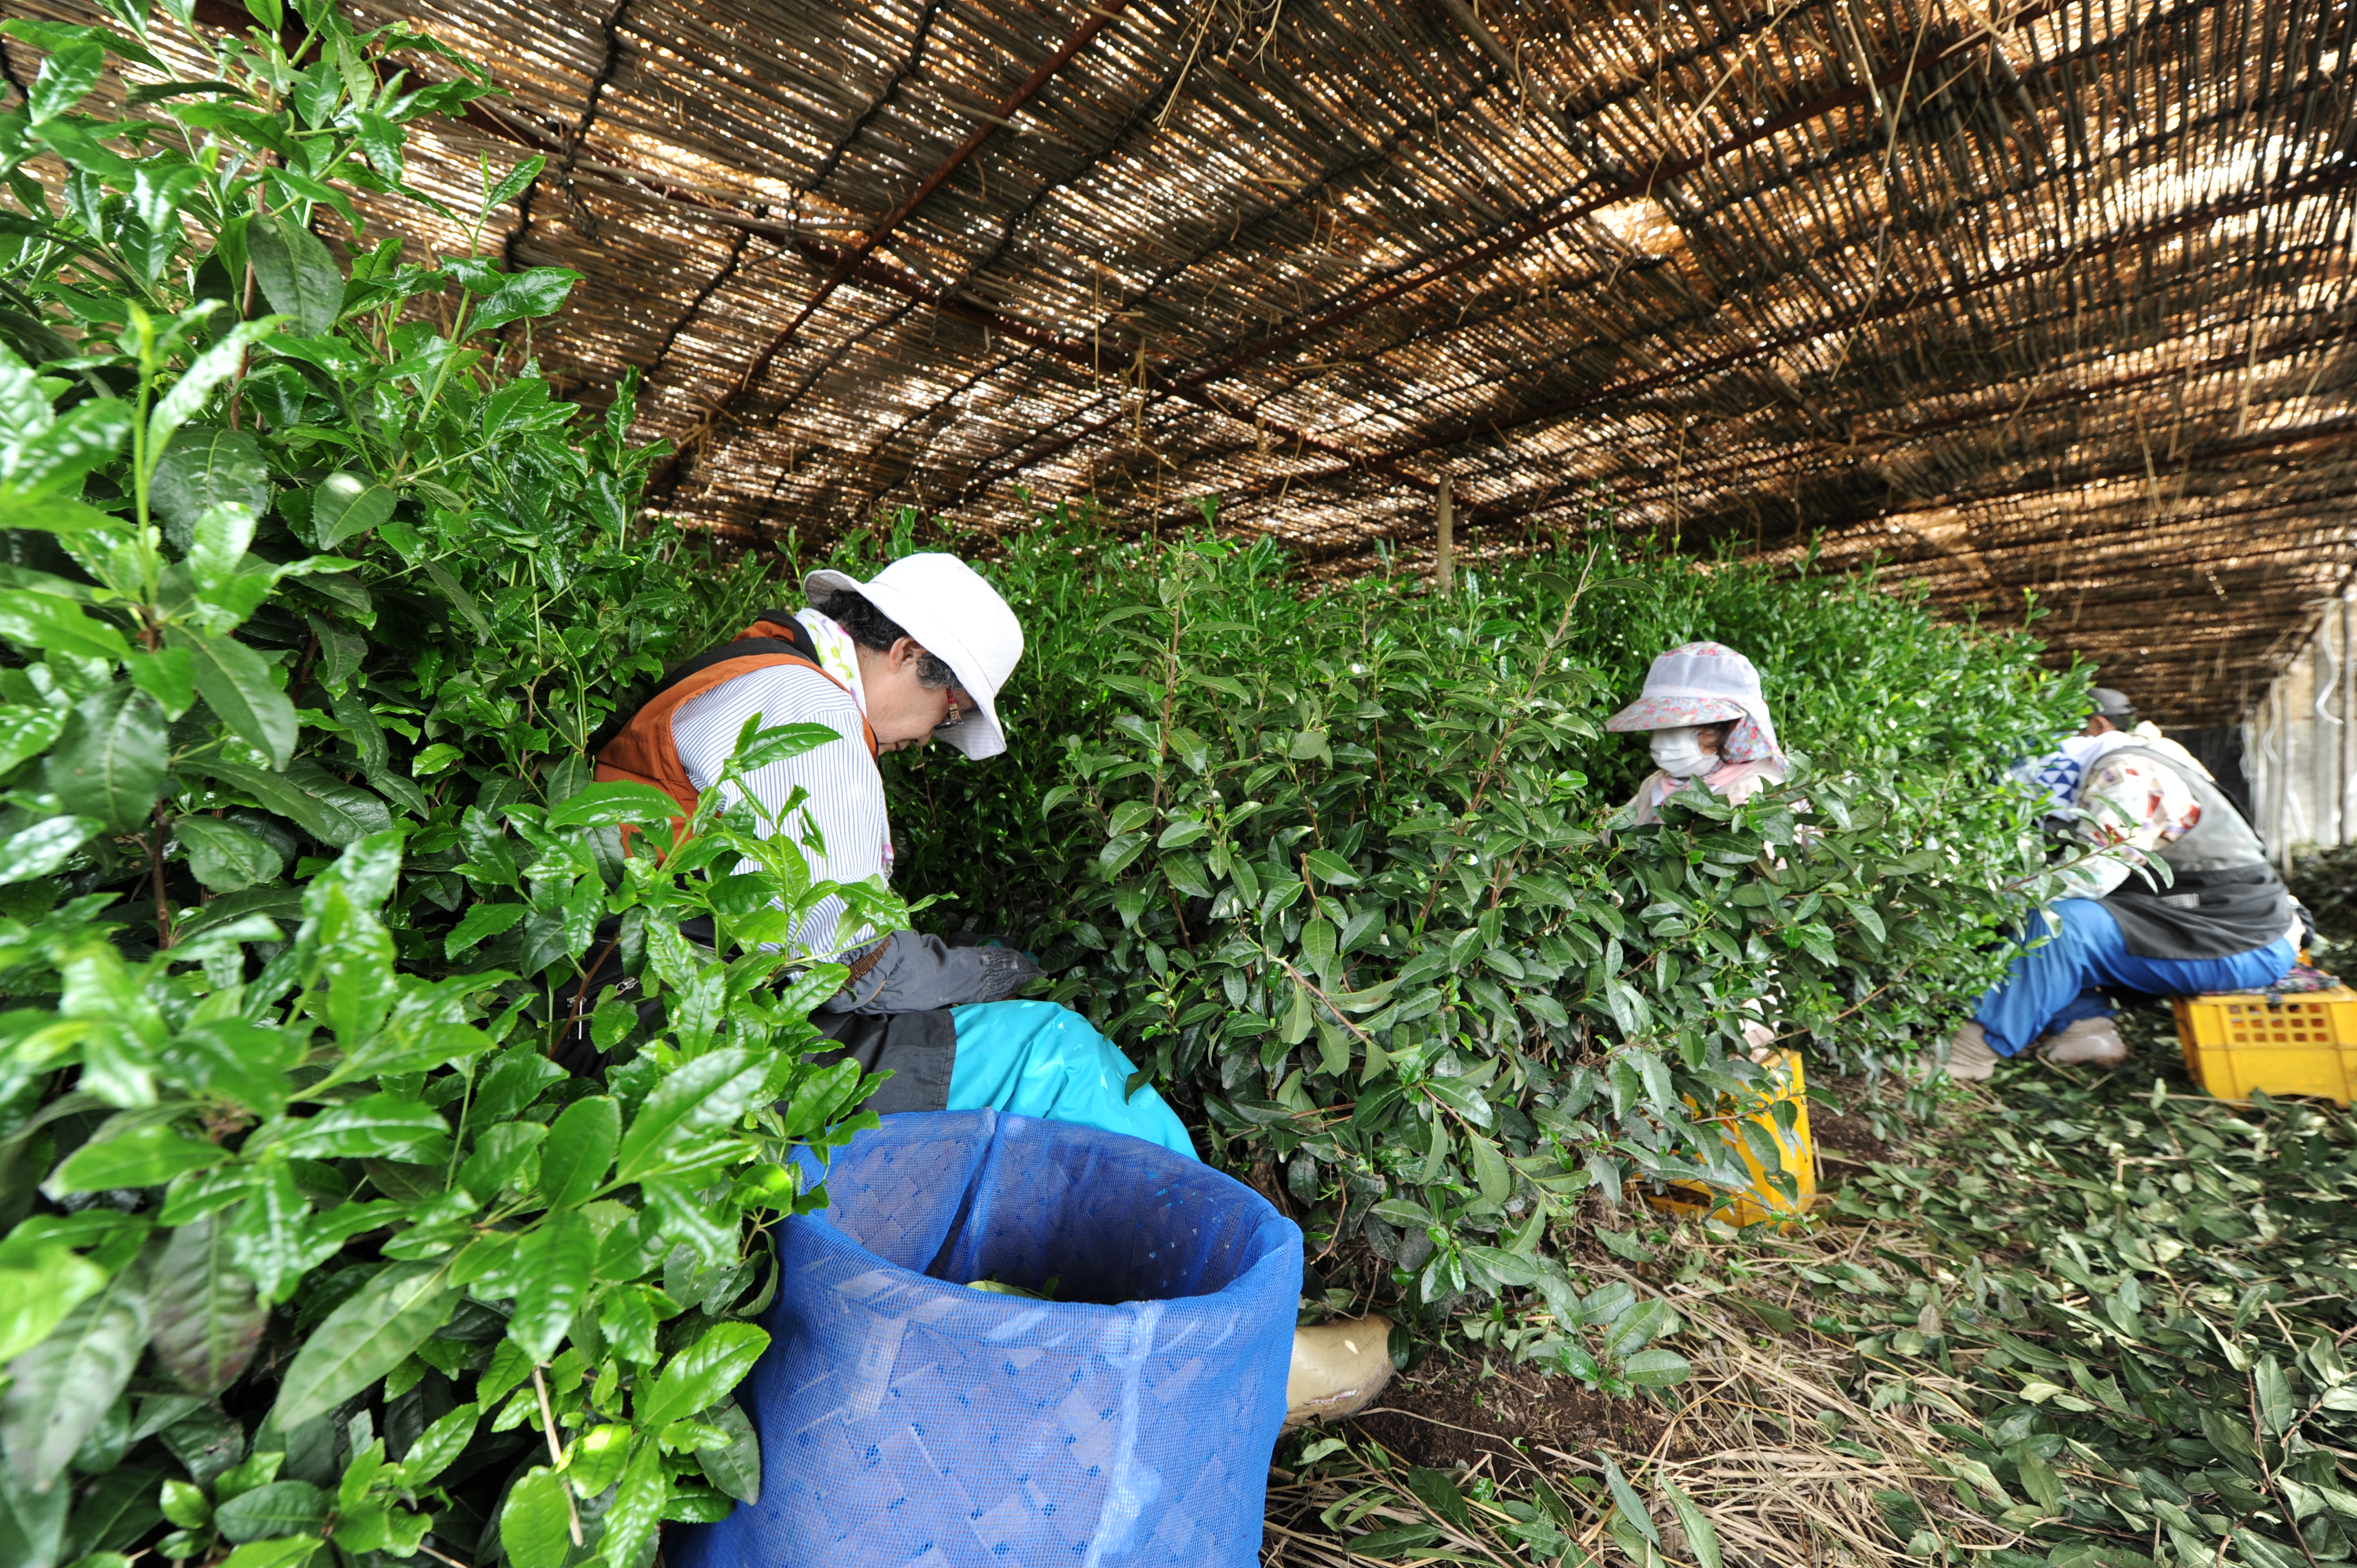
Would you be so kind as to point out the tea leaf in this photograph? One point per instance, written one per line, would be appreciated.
(346, 506)
(701, 1374)
(362, 1340)
(208, 1321)
(236, 684)
(109, 759)
(580, 1150)
(297, 274)
(534, 1526)
(146, 1156)
(61, 1388)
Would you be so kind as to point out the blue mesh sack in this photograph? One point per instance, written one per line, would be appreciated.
(907, 1419)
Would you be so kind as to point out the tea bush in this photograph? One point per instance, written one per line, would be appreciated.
(313, 593)
(1348, 867)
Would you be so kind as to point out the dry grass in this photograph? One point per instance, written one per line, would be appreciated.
(1798, 1453)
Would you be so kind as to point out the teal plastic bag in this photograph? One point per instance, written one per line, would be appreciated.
(1035, 1059)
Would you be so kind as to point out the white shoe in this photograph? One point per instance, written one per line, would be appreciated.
(1338, 1368)
(1970, 1061)
(2089, 1042)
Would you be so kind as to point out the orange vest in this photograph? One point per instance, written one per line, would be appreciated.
(645, 753)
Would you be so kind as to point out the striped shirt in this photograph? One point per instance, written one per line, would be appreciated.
(845, 792)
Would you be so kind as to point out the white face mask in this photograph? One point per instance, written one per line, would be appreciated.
(1679, 753)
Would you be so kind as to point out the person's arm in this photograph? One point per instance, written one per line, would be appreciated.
(1644, 805)
(1757, 777)
(912, 972)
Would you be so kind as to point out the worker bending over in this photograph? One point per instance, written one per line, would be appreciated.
(919, 653)
(2222, 920)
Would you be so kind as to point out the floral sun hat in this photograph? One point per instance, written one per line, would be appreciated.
(1705, 684)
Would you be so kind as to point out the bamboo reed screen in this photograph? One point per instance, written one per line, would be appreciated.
(2040, 302)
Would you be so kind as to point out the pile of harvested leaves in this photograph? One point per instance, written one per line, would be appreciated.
(2090, 1320)
(2133, 1299)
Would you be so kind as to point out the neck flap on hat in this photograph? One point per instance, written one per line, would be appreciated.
(838, 655)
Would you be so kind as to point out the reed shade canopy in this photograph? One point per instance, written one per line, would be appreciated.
(2044, 299)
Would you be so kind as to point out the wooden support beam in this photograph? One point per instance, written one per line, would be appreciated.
(1442, 560)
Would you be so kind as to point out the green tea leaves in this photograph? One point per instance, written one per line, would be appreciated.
(346, 506)
(707, 1092)
(536, 291)
(281, 832)
(612, 805)
(555, 1267)
(580, 1150)
(703, 1373)
(225, 857)
(637, 1511)
(42, 468)
(297, 274)
(196, 385)
(735, 1468)
(1331, 868)
(208, 467)
(146, 1156)
(1625, 1499)
(534, 1526)
(362, 1340)
(378, 1126)
(50, 621)
(334, 812)
(39, 1284)
(208, 1319)
(110, 759)
(65, 79)
(40, 849)
(236, 684)
(1701, 1536)
(280, 1509)
(61, 1387)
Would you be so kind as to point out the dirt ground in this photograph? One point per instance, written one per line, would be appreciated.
(1843, 1134)
(1450, 1414)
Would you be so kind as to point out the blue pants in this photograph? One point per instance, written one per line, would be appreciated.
(1035, 1058)
(2052, 985)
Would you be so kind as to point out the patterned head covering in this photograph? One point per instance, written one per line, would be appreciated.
(1706, 683)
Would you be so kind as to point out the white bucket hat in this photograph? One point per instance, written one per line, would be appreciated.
(958, 618)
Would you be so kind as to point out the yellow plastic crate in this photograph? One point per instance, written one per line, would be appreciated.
(2301, 1044)
(1760, 1202)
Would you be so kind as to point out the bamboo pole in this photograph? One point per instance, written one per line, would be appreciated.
(1442, 558)
(2283, 778)
(2348, 715)
(2323, 757)
(2263, 781)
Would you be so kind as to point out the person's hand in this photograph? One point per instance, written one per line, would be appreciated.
(1006, 971)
